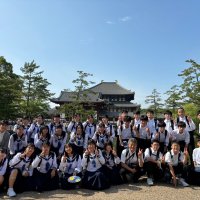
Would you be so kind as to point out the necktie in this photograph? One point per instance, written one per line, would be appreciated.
(47, 167)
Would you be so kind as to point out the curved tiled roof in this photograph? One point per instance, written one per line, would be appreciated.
(111, 88)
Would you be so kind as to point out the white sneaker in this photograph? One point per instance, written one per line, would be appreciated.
(182, 182)
(149, 181)
(11, 192)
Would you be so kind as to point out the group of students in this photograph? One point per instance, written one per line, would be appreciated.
(42, 157)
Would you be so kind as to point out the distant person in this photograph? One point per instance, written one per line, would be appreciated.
(4, 135)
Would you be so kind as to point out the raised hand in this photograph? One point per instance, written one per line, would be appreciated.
(97, 152)
(140, 153)
(114, 153)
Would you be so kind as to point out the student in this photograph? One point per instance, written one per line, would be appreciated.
(58, 141)
(35, 128)
(20, 178)
(73, 124)
(121, 118)
(45, 169)
(195, 175)
(4, 135)
(175, 161)
(125, 132)
(136, 119)
(162, 136)
(77, 139)
(109, 127)
(101, 137)
(152, 122)
(190, 127)
(89, 128)
(169, 121)
(131, 162)
(26, 124)
(111, 166)
(153, 159)
(3, 167)
(181, 136)
(41, 137)
(142, 133)
(92, 162)
(55, 122)
(17, 141)
(70, 166)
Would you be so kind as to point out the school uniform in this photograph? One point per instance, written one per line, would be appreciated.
(43, 167)
(58, 143)
(39, 142)
(89, 129)
(135, 122)
(17, 144)
(169, 125)
(195, 173)
(176, 161)
(67, 168)
(111, 168)
(182, 138)
(152, 125)
(33, 130)
(78, 142)
(52, 128)
(126, 134)
(72, 126)
(22, 165)
(163, 138)
(101, 139)
(110, 131)
(144, 139)
(190, 127)
(153, 169)
(94, 177)
(131, 159)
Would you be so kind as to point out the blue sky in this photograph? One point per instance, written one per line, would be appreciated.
(141, 43)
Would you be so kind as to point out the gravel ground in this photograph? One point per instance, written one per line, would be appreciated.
(126, 192)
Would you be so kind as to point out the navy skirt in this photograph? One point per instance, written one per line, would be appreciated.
(95, 180)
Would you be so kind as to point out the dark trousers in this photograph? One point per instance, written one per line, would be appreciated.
(125, 174)
(153, 171)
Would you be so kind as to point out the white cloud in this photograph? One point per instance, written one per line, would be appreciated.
(109, 22)
(125, 19)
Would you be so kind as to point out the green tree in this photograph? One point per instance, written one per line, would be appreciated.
(10, 91)
(191, 84)
(174, 99)
(35, 93)
(79, 97)
(155, 100)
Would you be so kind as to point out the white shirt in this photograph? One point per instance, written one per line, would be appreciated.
(110, 160)
(126, 159)
(77, 140)
(173, 159)
(71, 165)
(44, 164)
(185, 136)
(161, 138)
(152, 125)
(21, 164)
(168, 125)
(92, 163)
(143, 133)
(89, 129)
(124, 132)
(101, 139)
(189, 127)
(155, 155)
(58, 141)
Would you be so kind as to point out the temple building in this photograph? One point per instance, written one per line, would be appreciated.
(106, 98)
